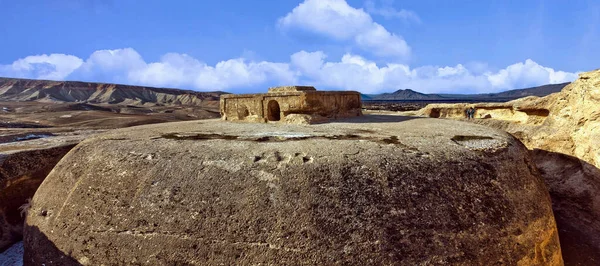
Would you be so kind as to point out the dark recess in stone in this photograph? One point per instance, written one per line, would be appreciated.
(466, 138)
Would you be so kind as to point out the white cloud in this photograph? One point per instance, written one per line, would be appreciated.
(388, 12)
(357, 73)
(173, 70)
(527, 74)
(351, 72)
(181, 70)
(53, 66)
(338, 20)
(110, 65)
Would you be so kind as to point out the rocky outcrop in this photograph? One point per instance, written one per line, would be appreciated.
(564, 131)
(567, 122)
(373, 190)
(74, 91)
(304, 103)
(21, 172)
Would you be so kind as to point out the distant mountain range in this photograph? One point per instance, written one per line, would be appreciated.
(12, 89)
(410, 95)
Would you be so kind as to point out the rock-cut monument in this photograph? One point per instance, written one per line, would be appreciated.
(290, 104)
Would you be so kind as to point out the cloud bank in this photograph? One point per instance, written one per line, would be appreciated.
(351, 72)
(54, 66)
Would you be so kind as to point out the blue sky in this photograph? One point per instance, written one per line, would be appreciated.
(370, 46)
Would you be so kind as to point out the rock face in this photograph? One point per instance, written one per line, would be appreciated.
(20, 175)
(12, 89)
(563, 129)
(567, 122)
(303, 103)
(373, 190)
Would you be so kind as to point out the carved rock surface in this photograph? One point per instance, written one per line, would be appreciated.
(373, 190)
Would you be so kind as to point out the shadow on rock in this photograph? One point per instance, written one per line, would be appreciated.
(21, 174)
(369, 118)
(574, 188)
(39, 250)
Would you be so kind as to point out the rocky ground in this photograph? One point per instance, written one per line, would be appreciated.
(561, 131)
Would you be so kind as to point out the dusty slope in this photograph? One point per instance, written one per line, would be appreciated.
(376, 190)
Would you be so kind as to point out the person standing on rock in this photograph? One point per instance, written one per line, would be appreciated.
(471, 113)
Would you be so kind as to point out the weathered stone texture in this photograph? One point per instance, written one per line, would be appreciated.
(563, 130)
(281, 102)
(21, 172)
(398, 192)
(567, 122)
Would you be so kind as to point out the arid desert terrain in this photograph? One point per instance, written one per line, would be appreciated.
(517, 185)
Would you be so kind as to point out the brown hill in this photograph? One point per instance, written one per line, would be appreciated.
(12, 89)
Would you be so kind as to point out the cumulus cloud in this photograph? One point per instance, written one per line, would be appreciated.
(338, 20)
(354, 72)
(172, 70)
(387, 11)
(527, 74)
(53, 66)
(110, 65)
(351, 72)
(182, 70)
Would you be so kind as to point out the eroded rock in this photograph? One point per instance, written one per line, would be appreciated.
(563, 129)
(21, 172)
(290, 104)
(350, 193)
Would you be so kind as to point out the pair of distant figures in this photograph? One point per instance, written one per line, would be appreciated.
(470, 113)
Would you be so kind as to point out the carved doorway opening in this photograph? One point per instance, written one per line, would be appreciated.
(273, 111)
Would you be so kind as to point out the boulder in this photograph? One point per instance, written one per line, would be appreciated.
(373, 190)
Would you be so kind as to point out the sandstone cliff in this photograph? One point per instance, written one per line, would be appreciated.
(74, 91)
(563, 129)
(567, 122)
(375, 190)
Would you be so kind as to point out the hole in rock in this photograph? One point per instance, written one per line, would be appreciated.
(273, 111)
(435, 113)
